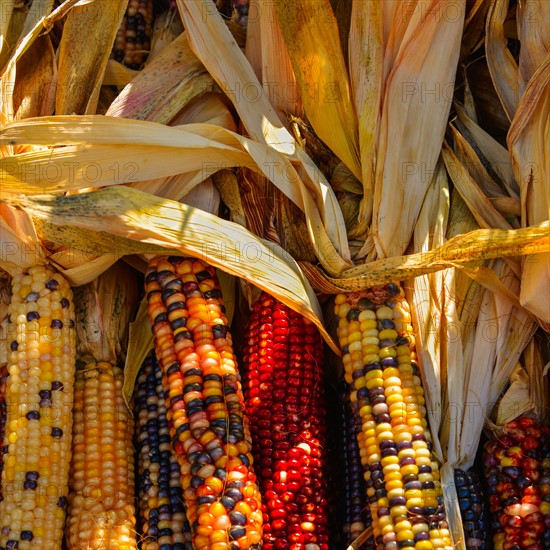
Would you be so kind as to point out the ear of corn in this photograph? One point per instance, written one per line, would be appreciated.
(283, 369)
(3, 413)
(101, 513)
(357, 514)
(39, 397)
(133, 39)
(402, 476)
(209, 432)
(162, 513)
(518, 490)
(471, 500)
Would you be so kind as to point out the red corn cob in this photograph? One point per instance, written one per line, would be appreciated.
(284, 401)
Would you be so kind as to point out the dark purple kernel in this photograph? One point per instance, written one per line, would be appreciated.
(365, 303)
(52, 284)
(389, 362)
(398, 501)
(33, 316)
(64, 303)
(32, 476)
(71, 324)
(14, 345)
(57, 433)
(417, 511)
(56, 323)
(12, 544)
(424, 469)
(418, 437)
(383, 512)
(406, 461)
(403, 445)
(45, 394)
(413, 486)
(62, 502)
(392, 289)
(387, 444)
(422, 536)
(57, 386)
(31, 485)
(33, 415)
(382, 418)
(388, 452)
(428, 485)
(26, 535)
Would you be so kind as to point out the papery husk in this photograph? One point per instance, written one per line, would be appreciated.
(103, 310)
(528, 142)
(166, 27)
(412, 121)
(228, 186)
(539, 383)
(211, 41)
(140, 344)
(482, 244)
(311, 35)
(117, 74)
(126, 221)
(82, 63)
(502, 66)
(13, 20)
(35, 85)
(276, 73)
(165, 86)
(124, 151)
(516, 401)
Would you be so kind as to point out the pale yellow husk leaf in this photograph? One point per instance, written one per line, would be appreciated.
(123, 151)
(413, 121)
(82, 63)
(215, 47)
(122, 220)
(165, 86)
(310, 31)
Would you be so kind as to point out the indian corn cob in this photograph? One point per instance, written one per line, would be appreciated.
(206, 413)
(101, 514)
(133, 39)
(402, 476)
(513, 468)
(357, 514)
(283, 372)
(39, 397)
(162, 515)
(3, 412)
(544, 486)
(472, 503)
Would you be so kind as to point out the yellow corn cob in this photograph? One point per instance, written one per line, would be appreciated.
(133, 39)
(39, 399)
(3, 450)
(402, 476)
(101, 514)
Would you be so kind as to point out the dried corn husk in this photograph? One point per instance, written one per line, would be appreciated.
(82, 63)
(165, 86)
(128, 221)
(104, 309)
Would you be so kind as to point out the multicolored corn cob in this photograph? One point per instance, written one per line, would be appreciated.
(544, 487)
(101, 512)
(39, 397)
(403, 486)
(473, 509)
(283, 372)
(133, 39)
(162, 516)
(206, 414)
(513, 468)
(356, 513)
(3, 413)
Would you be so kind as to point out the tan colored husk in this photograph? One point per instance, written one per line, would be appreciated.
(117, 74)
(135, 222)
(276, 74)
(310, 31)
(122, 151)
(165, 86)
(539, 383)
(516, 400)
(82, 63)
(103, 310)
(528, 142)
(462, 249)
(166, 27)
(211, 41)
(35, 85)
(421, 55)
(228, 186)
